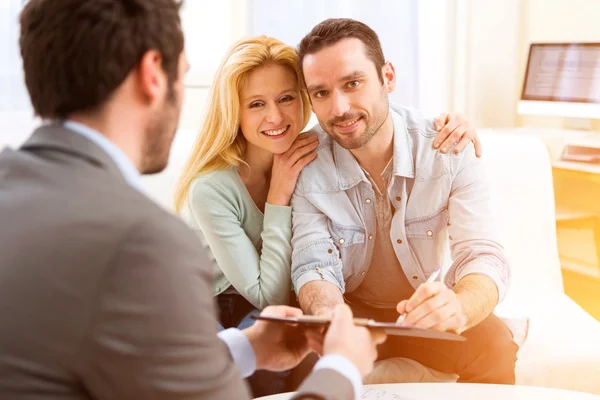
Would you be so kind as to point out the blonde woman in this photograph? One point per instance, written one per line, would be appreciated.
(236, 187)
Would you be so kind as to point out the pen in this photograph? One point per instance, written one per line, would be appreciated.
(431, 278)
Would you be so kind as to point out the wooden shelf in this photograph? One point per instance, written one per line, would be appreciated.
(577, 199)
(584, 290)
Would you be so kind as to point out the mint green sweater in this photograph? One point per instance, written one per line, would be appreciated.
(251, 251)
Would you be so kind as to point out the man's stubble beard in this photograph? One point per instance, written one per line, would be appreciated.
(370, 130)
(160, 135)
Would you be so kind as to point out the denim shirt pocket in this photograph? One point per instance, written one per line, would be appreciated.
(344, 236)
(428, 239)
(350, 243)
(428, 227)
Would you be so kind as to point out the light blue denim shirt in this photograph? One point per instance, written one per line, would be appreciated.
(439, 199)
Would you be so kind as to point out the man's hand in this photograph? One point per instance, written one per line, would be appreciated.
(454, 128)
(356, 343)
(434, 306)
(279, 347)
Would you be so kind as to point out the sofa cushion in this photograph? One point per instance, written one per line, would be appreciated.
(562, 349)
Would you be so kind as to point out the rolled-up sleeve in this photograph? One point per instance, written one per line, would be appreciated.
(474, 240)
(314, 255)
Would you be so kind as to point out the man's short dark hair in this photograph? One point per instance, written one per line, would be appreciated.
(76, 53)
(331, 31)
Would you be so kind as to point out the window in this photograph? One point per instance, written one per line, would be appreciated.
(16, 115)
(13, 94)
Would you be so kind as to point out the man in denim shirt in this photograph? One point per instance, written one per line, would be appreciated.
(373, 213)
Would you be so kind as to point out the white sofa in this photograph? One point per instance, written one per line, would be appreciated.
(560, 342)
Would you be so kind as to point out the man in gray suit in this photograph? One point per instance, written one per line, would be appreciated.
(103, 294)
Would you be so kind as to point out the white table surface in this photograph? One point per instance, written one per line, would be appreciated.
(462, 391)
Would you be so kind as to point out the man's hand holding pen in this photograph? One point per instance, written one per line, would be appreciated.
(433, 306)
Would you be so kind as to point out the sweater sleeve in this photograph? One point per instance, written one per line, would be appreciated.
(263, 278)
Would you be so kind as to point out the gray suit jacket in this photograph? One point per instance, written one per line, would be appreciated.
(103, 294)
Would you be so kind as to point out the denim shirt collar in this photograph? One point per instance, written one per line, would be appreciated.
(348, 170)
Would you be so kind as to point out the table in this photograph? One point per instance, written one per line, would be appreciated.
(462, 391)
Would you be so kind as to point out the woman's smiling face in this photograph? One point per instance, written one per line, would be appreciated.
(271, 111)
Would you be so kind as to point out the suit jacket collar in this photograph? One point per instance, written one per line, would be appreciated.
(54, 136)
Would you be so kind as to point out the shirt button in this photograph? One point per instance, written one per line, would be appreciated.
(370, 237)
(415, 277)
(368, 201)
(381, 198)
(399, 241)
(330, 251)
(429, 233)
(363, 273)
(381, 215)
(398, 198)
(342, 241)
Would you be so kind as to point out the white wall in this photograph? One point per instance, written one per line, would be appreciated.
(485, 78)
(562, 20)
(16, 117)
(13, 95)
(210, 28)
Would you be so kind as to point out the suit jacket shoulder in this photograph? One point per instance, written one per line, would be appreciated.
(111, 293)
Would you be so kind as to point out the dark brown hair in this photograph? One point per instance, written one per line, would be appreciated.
(76, 53)
(332, 30)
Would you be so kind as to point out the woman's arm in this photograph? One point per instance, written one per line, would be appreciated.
(262, 278)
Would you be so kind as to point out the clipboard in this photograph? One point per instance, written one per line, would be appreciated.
(391, 328)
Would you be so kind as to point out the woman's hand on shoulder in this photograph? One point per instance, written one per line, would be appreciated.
(454, 129)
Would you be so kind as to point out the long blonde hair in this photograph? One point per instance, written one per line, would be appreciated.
(220, 144)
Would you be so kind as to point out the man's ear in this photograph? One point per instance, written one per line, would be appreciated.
(152, 80)
(389, 76)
